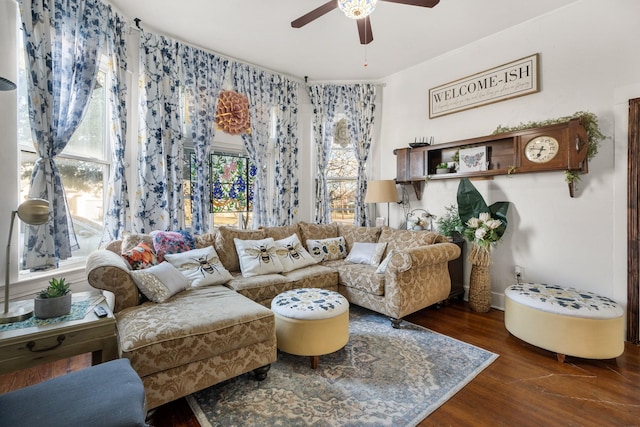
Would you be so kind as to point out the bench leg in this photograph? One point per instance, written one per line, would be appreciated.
(560, 357)
(314, 361)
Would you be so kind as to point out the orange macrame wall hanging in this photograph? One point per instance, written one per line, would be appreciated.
(232, 115)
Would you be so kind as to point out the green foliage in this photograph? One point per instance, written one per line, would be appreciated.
(589, 121)
(57, 288)
(471, 205)
(449, 222)
(442, 165)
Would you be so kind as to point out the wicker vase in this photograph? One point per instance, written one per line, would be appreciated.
(480, 288)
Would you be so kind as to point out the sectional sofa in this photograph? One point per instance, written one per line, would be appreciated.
(188, 337)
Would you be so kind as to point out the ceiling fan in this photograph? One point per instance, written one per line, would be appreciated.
(358, 10)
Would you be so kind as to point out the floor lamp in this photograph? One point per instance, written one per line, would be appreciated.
(382, 191)
(32, 212)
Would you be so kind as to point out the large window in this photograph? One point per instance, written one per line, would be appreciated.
(342, 172)
(231, 187)
(83, 165)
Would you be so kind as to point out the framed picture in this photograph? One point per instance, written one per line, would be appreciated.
(473, 159)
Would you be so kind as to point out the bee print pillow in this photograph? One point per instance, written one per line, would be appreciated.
(201, 267)
(258, 257)
(292, 254)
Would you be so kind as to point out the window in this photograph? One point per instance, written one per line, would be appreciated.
(232, 177)
(83, 165)
(342, 172)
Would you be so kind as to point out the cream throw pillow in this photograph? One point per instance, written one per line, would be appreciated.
(258, 257)
(366, 253)
(292, 254)
(160, 282)
(201, 267)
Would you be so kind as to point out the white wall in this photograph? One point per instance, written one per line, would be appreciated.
(589, 57)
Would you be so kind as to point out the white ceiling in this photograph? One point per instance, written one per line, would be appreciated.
(259, 32)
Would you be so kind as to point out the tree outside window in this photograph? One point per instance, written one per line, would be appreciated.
(342, 171)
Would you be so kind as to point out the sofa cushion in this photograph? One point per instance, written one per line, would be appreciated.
(406, 239)
(317, 231)
(226, 248)
(131, 240)
(195, 324)
(205, 240)
(141, 256)
(171, 242)
(327, 249)
(361, 276)
(355, 233)
(366, 253)
(259, 288)
(292, 254)
(258, 257)
(160, 282)
(282, 232)
(201, 267)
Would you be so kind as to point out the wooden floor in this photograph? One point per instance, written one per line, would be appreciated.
(525, 386)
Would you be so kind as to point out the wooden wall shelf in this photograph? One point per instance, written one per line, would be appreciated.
(506, 153)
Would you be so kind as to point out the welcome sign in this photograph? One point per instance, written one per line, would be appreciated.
(517, 78)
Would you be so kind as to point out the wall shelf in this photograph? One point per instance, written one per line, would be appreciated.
(506, 154)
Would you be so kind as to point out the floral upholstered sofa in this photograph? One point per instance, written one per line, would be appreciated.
(196, 313)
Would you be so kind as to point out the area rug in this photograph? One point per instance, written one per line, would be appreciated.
(382, 377)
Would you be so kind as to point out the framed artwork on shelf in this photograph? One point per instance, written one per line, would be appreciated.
(473, 159)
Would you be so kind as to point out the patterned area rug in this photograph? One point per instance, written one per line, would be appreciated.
(383, 377)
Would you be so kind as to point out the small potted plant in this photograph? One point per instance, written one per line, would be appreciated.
(442, 168)
(449, 224)
(53, 301)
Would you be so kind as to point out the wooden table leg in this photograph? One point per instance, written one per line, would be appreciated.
(314, 361)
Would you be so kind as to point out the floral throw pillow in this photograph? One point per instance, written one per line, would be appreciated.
(327, 249)
(141, 256)
(171, 242)
(292, 254)
(201, 267)
(258, 257)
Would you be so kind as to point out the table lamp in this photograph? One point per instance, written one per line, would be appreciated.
(32, 212)
(382, 191)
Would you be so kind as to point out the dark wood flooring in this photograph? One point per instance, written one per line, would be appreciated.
(525, 386)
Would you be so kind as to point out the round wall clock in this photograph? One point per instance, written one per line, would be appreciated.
(541, 149)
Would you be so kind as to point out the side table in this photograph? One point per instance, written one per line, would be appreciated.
(25, 347)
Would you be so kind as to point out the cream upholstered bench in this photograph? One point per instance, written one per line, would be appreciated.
(565, 320)
(311, 322)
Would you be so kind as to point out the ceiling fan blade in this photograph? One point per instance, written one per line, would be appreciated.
(423, 3)
(364, 29)
(315, 14)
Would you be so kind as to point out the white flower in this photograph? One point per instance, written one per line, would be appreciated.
(485, 216)
(480, 233)
(493, 224)
(473, 222)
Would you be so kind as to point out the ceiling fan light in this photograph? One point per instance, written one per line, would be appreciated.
(357, 9)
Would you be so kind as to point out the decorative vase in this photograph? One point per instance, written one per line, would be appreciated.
(480, 288)
(45, 308)
(480, 279)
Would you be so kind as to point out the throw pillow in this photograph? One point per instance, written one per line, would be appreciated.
(292, 254)
(131, 240)
(140, 256)
(226, 248)
(258, 257)
(171, 242)
(382, 268)
(327, 249)
(160, 282)
(366, 253)
(201, 267)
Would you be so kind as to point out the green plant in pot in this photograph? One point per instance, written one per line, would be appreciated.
(442, 168)
(53, 301)
(449, 224)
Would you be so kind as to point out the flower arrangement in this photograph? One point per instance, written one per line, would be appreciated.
(483, 225)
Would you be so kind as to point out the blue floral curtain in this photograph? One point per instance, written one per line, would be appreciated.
(359, 106)
(286, 199)
(63, 40)
(258, 86)
(324, 101)
(117, 208)
(203, 75)
(159, 199)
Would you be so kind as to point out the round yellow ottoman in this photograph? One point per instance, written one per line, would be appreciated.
(565, 320)
(311, 322)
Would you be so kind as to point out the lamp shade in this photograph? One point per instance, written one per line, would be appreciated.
(34, 211)
(382, 191)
